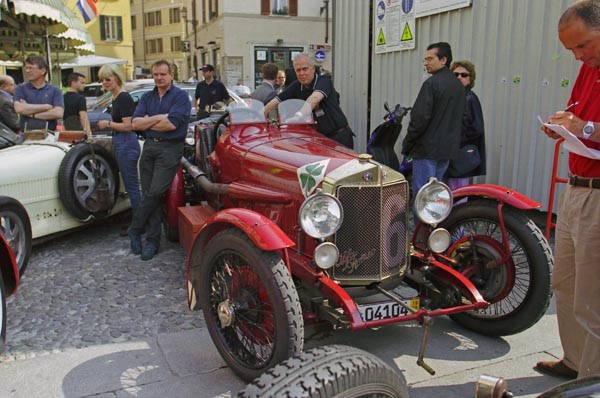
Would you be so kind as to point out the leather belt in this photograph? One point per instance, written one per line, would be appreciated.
(584, 182)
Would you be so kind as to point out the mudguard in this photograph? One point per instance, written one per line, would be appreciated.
(8, 266)
(175, 198)
(262, 231)
(497, 192)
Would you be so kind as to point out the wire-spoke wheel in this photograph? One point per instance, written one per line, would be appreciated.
(250, 304)
(517, 289)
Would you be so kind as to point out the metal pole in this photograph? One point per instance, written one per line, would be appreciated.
(49, 58)
(195, 30)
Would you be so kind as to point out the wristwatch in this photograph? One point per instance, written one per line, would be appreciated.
(588, 129)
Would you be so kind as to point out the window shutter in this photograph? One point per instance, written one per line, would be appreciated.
(265, 7)
(102, 27)
(293, 8)
(119, 28)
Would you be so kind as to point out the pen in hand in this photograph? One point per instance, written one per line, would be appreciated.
(573, 105)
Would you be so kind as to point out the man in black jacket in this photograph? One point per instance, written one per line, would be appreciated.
(433, 135)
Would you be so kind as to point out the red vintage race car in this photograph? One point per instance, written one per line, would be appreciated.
(9, 280)
(285, 227)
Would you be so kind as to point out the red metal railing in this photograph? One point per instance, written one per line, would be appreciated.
(555, 179)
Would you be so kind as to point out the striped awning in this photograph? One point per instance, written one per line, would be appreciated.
(76, 34)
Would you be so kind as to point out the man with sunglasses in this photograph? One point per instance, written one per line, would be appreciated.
(433, 134)
(576, 273)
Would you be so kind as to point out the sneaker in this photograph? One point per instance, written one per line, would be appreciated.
(135, 242)
(556, 368)
(149, 251)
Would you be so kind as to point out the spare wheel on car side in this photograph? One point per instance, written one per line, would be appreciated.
(84, 190)
(16, 228)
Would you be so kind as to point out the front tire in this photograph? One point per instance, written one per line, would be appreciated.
(519, 290)
(329, 371)
(16, 228)
(250, 304)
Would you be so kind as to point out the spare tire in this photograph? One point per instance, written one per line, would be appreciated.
(16, 228)
(80, 191)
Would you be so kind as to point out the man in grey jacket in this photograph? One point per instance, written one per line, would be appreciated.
(266, 91)
(8, 116)
(433, 134)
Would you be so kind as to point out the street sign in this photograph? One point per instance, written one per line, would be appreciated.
(319, 55)
(185, 44)
(394, 25)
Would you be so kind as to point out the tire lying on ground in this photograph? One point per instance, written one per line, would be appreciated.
(80, 192)
(329, 371)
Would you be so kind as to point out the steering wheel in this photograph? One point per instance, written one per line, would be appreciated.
(222, 120)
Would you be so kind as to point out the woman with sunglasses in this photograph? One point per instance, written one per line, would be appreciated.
(473, 132)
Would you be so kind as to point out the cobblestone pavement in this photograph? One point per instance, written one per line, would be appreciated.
(87, 288)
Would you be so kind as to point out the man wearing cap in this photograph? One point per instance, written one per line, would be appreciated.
(209, 91)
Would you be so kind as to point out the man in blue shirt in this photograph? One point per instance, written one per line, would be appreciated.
(39, 103)
(163, 113)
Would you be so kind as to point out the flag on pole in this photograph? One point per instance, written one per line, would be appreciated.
(88, 9)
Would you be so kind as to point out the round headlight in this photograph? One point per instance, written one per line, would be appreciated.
(433, 202)
(326, 255)
(321, 215)
(439, 240)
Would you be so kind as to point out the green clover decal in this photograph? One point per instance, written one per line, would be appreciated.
(311, 175)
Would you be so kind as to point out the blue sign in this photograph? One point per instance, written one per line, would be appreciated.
(381, 10)
(407, 6)
(319, 55)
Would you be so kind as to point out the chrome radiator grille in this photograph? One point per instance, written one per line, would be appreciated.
(373, 239)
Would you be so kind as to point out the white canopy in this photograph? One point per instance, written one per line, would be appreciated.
(91, 60)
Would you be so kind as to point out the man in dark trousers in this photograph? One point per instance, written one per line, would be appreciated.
(75, 115)
(576, 273)
(209, 91)
(163, 113)
(267, 90)
(434, 131)
(318, 91)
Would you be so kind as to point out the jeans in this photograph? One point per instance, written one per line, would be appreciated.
(127, 152)
(158, 166)
(423, 169)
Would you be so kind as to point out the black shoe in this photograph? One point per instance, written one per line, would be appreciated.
(135, 242)
(149, 251)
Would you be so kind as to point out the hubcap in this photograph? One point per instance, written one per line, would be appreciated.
(225, 313)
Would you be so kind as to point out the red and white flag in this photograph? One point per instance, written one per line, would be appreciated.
(88, 9)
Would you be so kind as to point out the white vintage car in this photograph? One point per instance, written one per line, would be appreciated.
(54, 182)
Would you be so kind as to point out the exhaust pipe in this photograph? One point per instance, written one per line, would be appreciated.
(202, 180)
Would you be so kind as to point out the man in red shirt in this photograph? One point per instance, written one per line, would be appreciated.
(576, 275)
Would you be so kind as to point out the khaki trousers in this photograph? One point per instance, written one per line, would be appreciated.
(576, 278)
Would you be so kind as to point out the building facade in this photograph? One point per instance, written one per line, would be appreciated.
(111, 32)
(236, 36)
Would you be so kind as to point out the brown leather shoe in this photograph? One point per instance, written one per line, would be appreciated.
(556, 368)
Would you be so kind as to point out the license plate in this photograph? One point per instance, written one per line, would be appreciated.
(385, 310)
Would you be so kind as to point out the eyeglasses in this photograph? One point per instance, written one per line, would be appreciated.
(462, 74)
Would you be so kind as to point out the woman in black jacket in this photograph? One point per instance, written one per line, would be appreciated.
(473, 132)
